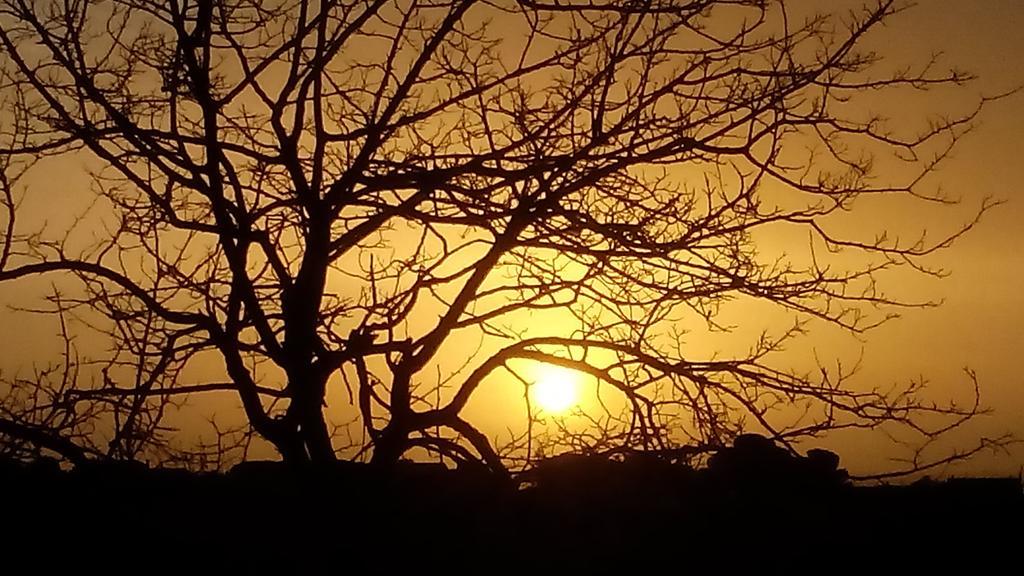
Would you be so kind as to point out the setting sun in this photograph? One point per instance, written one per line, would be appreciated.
(555, 389)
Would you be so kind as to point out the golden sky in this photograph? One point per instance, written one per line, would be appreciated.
(979, 325)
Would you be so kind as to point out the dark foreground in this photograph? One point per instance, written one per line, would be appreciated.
(753, 509)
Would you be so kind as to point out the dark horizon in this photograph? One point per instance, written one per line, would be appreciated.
(755, 507)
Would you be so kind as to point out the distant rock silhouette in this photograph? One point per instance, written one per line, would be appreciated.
(755, 462)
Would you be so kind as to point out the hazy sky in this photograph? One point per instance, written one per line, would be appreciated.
(979, 324)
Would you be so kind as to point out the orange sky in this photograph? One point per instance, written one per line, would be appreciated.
(979, 324)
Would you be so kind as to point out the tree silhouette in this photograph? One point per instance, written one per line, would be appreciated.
(349, 191)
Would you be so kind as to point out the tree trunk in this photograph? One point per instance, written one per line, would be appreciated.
(315, 437)
(390, 445)
(303, 435)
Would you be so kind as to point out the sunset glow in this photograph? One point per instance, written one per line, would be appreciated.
(495, 232)
(556, 389)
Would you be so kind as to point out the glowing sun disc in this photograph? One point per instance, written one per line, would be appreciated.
(555, 389)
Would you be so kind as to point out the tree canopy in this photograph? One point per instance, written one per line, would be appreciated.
(386, 204)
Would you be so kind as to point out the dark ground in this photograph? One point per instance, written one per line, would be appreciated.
(755, 509)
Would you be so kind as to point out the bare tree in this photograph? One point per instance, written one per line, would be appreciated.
(314, 191)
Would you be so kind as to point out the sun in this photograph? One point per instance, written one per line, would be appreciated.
(555, 389)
